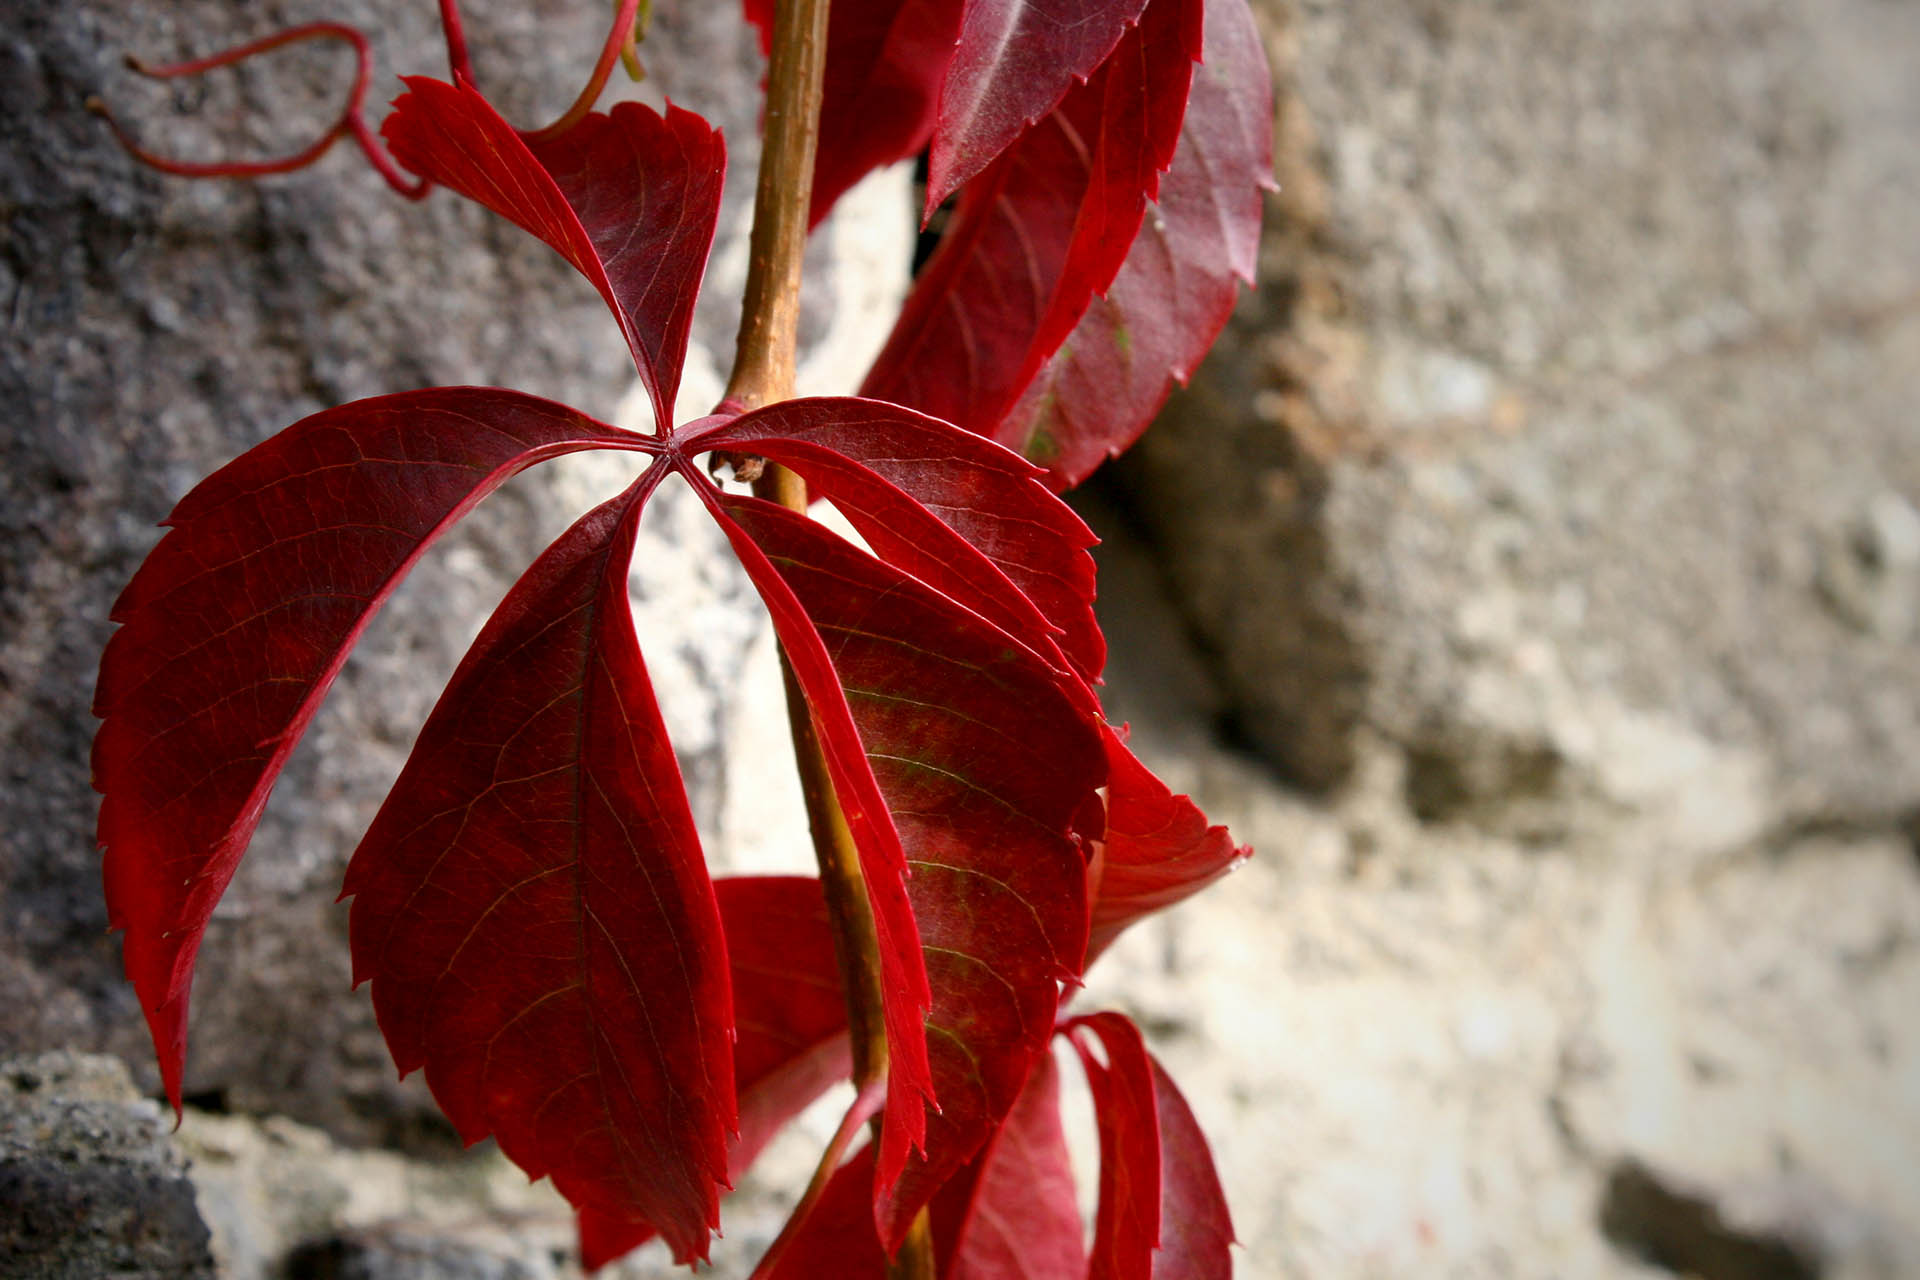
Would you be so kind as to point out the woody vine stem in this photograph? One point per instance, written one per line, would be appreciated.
(763, 372)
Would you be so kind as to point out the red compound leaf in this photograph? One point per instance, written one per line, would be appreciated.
(1169, 302)
(1162, 1214)
(240, 619)
(1040, 232)
(986, 757)
(630, 199)
(533, 911)
(1158, 850)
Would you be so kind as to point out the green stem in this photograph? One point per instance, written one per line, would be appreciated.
(763, 372)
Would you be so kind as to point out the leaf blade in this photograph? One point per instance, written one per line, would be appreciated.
(579, 192)
(238, 622)
(1016, 59)
(1017, 1218)
(1155, 1166)
(791, 1024)
(1127, 1223)
(534, 914)
(1159, 849)
(904, 989)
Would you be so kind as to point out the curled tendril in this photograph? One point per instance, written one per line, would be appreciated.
(351, 122)
(628, 26)
(630, 21)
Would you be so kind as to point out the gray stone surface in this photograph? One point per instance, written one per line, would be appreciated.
(90, 1187)
(1572, 433)
(155, 327)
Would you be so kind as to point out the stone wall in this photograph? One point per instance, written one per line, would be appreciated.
(1569, 441)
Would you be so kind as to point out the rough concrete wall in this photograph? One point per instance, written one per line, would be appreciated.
(155, 327)
(1572, 427)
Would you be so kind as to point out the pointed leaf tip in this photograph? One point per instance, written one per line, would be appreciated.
(1158, 849)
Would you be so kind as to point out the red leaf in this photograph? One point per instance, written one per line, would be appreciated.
(909, 483)
(791, 1023)
(985, 760)
(1155, 1167)
(885, 63)
(1016, 60)
(1169, 302)
(1016, 1217)
(630, 199)
(533, 911)
(1126, 1227)
(838, 1238)
(1159, 849)
(1039, 233)
(240, 619)
(1196, 1229)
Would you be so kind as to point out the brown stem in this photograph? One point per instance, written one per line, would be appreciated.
(770, 316)
(763, 373)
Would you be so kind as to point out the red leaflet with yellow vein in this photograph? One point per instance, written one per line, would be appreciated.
(1035, 236)
(533, 911)
(1195, 248)
(630, 199)
(984, 760)
(883, 863)
(240, 619)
